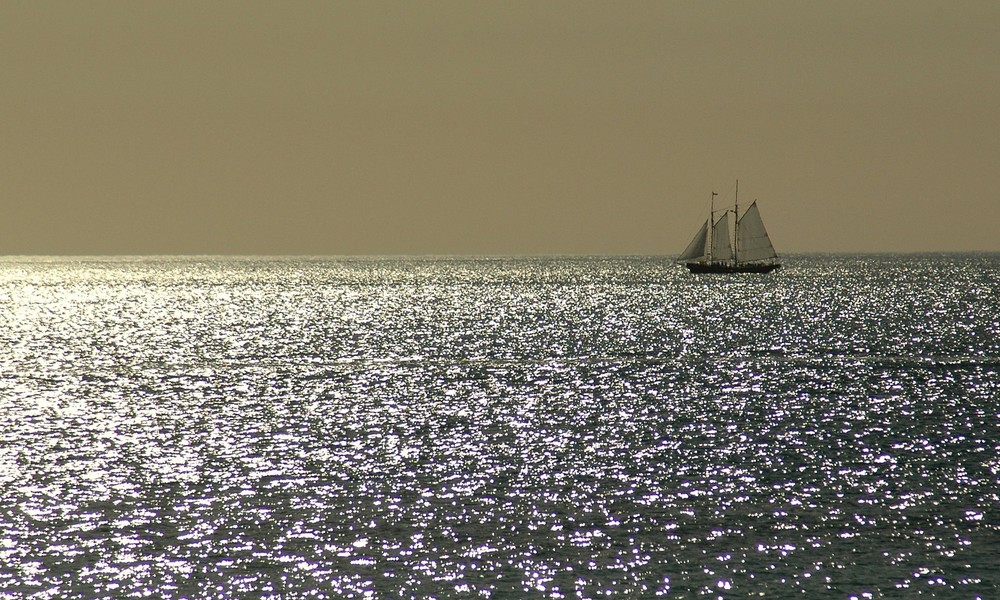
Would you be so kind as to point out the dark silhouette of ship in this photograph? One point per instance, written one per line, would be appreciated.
(742, 246)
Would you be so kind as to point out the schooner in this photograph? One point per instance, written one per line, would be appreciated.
(750, 251)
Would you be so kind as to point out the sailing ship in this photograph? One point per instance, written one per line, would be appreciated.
(750, 250)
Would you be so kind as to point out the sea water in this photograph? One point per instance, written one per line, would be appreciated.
(499, 428)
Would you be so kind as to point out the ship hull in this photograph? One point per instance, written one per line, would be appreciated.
(695, 267)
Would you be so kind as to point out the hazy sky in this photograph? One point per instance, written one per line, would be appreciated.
(476, 127)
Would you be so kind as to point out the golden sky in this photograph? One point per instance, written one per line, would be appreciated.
(507, 127)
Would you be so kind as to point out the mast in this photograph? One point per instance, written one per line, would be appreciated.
(736, 226)
(711, 229)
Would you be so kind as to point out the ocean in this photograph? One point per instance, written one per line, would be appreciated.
(208, 427)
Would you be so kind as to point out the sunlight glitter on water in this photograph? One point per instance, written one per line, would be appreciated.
(497, 428)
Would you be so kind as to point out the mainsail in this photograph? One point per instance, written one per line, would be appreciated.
(751, 237)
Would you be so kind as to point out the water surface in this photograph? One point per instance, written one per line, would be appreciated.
(530, 427)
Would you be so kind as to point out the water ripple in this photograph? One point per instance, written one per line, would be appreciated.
(498, 428)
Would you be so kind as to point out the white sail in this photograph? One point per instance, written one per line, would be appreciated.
(752, 240)
(722, 248)
(698, 246)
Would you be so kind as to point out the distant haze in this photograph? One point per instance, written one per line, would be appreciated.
(458, 127)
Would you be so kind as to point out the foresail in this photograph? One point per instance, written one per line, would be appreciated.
(752, 239)
(696, 249)
(722, 248)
